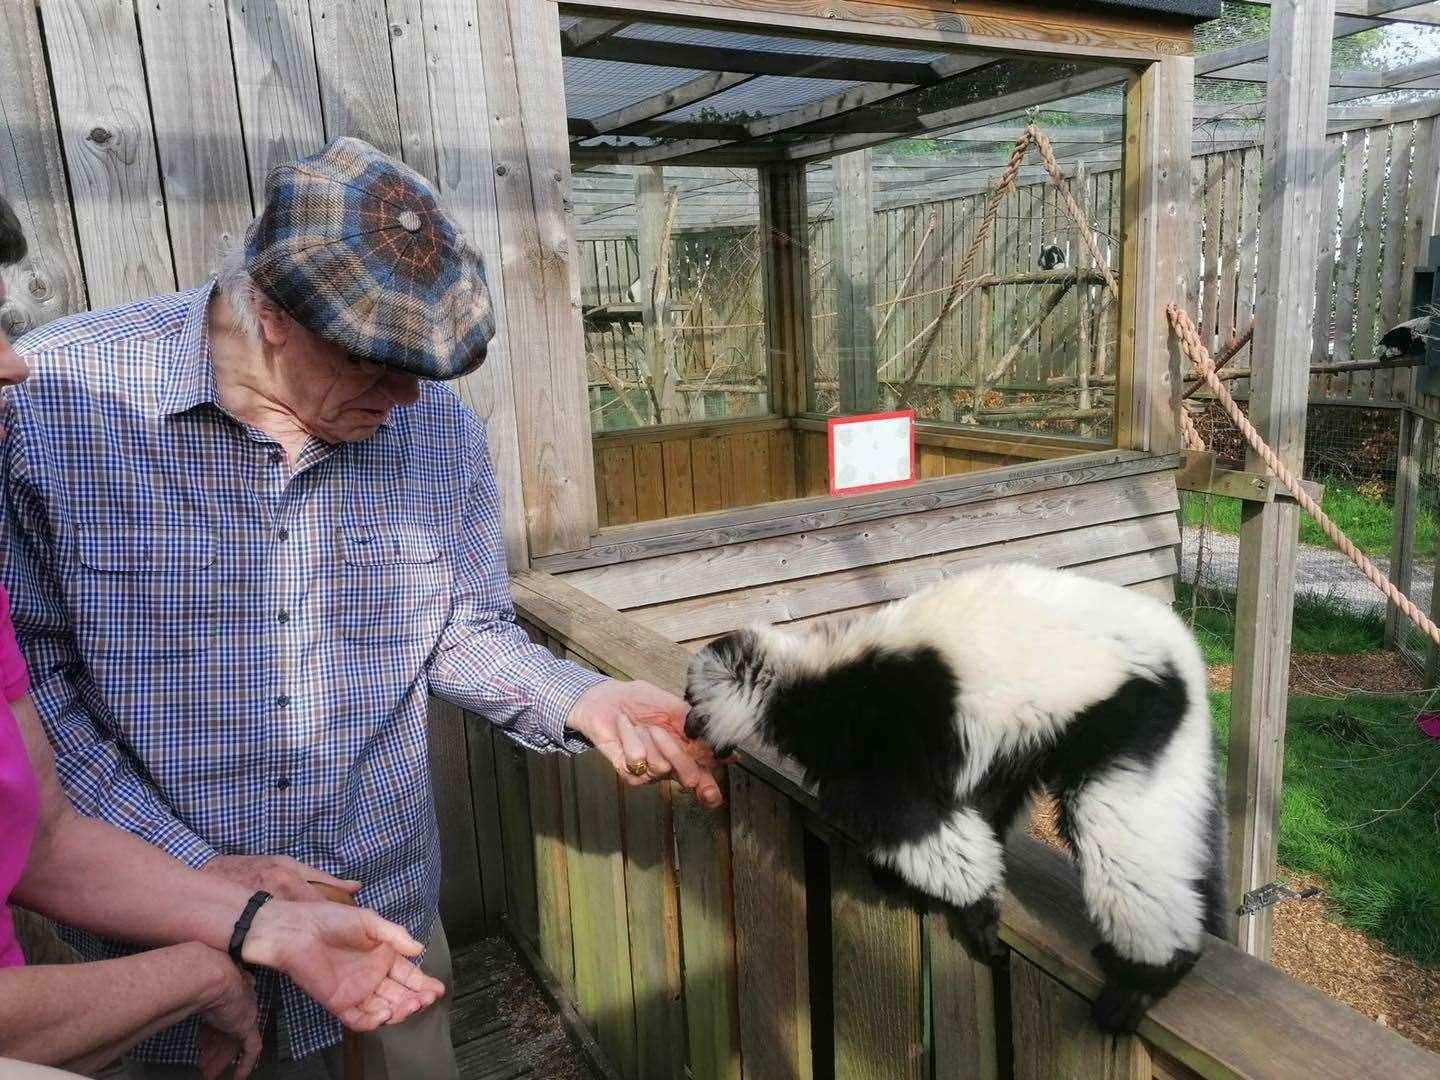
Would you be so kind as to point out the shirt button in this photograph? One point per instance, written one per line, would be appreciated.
(282, 784)
(282, 701)
(282, 534)
(283, 617)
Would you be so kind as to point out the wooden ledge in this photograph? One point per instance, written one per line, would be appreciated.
(1199, 473)
(1232, 1017)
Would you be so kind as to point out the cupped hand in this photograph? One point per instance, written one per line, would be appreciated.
(635, 721)
(350, 960)
(229, 1031)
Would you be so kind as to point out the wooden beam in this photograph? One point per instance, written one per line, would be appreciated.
(655, 210)
(756, 62)
(1300, 35)
(677, 97)
(785, 265)
(587, 32)
(854, 203)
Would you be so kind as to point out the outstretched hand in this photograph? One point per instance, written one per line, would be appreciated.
(354, 963)
(634, 722)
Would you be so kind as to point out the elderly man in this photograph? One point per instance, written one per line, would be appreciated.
(249, 534)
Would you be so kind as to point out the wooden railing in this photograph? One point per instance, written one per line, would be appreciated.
(703, 942)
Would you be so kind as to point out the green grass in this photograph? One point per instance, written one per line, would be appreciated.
(1362, 515)
(1321, 624)
(1351, 766)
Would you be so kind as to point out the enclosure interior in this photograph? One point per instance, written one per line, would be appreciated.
(767, 241)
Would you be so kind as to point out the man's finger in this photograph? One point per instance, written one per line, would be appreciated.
(384, 932)
(634, 748)
(311, 874)
(688, 771)
(412, 978)
(660, 766)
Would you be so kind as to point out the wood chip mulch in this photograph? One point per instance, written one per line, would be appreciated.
(1338, 674)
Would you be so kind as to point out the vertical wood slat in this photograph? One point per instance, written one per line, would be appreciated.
(707, 939)
(191, 76)
(772, 952)
(485, 814)
(963, 1007)
(1345, 274)
(1421, 210)
(276, 78)
(1253, 168)
(854, 203)
(1325, 261)
(653, 908)
(552, 872)
(1232, 228)
(109, 146)
(512, 778)
(603, 988)
(879, 1022)
(1054, 1035)
(530, 145)
(357, 74)
(786, 283)
(462, 902)
(1391, 284)
(48, 283)
(1368, 285)
(649, 482)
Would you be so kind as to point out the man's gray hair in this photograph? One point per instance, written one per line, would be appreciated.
(239, 290)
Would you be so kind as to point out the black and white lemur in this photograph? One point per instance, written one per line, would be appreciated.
(925, 725)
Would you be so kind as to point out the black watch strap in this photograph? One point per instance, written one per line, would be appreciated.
(242, 924)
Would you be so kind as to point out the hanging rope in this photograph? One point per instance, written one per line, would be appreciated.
(1199, 356)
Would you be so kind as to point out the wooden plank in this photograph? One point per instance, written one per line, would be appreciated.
(785, 275)
(1227, 325)
(485, 813)
(1325, 256)
(679, 483)
(751, 464)
(1421, 210)
(1402, 544)
(707, 934)
(1345, 274)
(653, 909)
(1054, 1035)
(782, 465)
(109, 149)
(879, 1021)
(654, 220)
(622, 545)
(1250, 238)
(1376, 181)
(618, 467)
(1392, 284)
(1156, 265)
(512, 777)
(191, 75)
(701, 430)
(552, 875)
(767, 842)
(524, 83)
(604, 992)
(462, 904)
(854, 209)
(786, 601)
(964, 1020)
(277, 84)
(357, 75)
(1294, 156)
(844, 547)
(48, 283)
(705, 467)
(649, 482)
(677, 97)
(445, 79)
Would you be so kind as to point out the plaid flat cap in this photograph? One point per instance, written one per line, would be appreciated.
(353, 245)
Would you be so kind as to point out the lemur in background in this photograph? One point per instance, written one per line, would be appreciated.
(927, 724)
(1052, 256)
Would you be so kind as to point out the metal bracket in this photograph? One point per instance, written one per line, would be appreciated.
(1269, 895)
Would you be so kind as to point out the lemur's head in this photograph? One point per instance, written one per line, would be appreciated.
(728, 689)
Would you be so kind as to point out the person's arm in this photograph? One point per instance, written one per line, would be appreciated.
(486, 663)
(82, 1016)
(104, 782)
(89, 874)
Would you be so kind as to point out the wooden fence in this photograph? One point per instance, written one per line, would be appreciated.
(1379, 185)
(750, 941)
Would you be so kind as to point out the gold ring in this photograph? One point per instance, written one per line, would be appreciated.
(637, 768)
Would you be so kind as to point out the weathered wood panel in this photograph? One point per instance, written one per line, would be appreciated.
(964, 1020)
(462, 904)
(1054, 1036)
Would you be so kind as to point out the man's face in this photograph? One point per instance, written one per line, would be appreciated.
(13, 369)
(334, 396)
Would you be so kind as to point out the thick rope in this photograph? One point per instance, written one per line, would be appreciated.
(1198, 355)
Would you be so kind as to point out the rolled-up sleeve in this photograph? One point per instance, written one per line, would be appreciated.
(485, 661)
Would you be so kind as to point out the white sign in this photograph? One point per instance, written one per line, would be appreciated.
(871, 452)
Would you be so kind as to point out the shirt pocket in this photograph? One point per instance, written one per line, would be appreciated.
(394, 583)
(145, 591)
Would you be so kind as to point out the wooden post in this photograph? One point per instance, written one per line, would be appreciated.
(1402, 543)
(654, 215)
(785, 262)
(1300, 35)
(854, 215)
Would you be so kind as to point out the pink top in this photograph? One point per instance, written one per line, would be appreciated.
(19, 794)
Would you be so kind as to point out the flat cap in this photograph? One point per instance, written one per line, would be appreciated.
(354, 246)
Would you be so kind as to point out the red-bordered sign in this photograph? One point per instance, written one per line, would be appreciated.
(836, 424)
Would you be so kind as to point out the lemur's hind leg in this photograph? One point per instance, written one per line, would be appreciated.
(962, 863)
(1144, 858)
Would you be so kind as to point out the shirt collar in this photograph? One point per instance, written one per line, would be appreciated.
(190, 380)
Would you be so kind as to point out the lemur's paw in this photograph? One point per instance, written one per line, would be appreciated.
(1131, 988)
(977, 926)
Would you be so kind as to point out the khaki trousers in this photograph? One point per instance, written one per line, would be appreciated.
(417, 1049)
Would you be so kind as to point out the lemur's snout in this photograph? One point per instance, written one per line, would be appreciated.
(695, 724)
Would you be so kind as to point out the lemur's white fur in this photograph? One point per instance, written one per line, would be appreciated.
(1031, 648)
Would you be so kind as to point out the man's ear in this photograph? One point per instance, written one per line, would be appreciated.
(275, 325)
